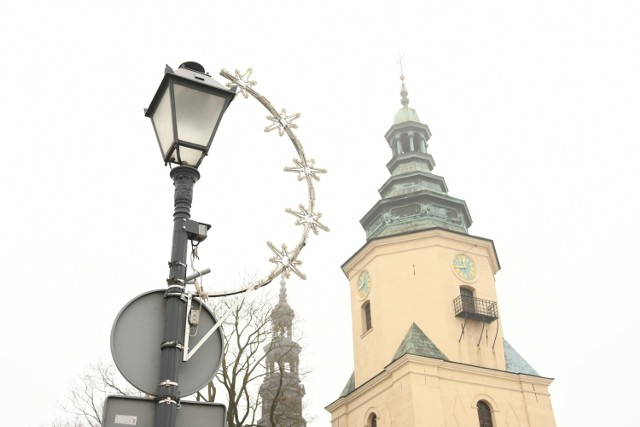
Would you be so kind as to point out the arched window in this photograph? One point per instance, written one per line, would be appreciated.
(373, 420)
(484, 414)
(366, 316)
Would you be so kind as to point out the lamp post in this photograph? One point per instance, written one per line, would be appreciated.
(185, 111)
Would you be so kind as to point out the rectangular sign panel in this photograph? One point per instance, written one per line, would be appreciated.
(122, 411)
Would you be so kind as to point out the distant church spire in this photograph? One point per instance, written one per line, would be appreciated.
(413, 198)
(282, 391)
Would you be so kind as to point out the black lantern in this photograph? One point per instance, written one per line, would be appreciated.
(186, 111)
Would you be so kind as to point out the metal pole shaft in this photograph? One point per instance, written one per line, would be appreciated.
(184, 178)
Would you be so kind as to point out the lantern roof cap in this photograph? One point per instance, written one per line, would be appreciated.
(191, 72)
(195, 72)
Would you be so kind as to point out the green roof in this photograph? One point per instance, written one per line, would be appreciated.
(516, 363)
(350, 386)
(418, 343)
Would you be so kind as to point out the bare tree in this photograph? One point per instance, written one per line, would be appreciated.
(242, 370)
(85, 401)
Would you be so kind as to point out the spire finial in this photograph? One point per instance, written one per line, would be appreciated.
(283, 290)
(400, 56)
(403, 90)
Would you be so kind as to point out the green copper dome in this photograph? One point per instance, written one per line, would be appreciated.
(406, 114)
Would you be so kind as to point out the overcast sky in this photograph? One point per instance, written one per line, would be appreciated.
(534, 112)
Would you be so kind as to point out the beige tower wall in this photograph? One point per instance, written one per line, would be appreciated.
(417, 391)
(413, 280)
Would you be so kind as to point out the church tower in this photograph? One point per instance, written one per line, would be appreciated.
(427, 336)
(281, 392)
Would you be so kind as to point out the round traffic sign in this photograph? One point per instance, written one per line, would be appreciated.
(136, 337)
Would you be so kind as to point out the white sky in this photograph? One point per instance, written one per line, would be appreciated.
(533, 107)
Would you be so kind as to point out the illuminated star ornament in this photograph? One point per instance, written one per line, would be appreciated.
(308, 219)
(286, 260)
(305, 170)
(243, 82)
(282, 122)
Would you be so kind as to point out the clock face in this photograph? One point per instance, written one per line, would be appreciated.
(465, 267)
(364, 284)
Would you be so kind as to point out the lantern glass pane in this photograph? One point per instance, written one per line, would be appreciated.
(163, 122)
(190, 156)
(197, 114)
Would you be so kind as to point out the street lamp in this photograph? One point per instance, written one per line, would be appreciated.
(185, 111)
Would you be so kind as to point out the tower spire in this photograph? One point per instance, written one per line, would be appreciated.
(403, 90)
(283, 291)
(413, 198)
(405, 114)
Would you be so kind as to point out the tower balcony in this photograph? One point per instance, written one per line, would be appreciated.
(476, 308)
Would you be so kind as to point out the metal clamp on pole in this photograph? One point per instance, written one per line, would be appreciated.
(176, 264)
(168, 383)
(171, 344)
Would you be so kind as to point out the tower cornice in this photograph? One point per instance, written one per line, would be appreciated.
(398, 161)
(416, 211)
(430, 237)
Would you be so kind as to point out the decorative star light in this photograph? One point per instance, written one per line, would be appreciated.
(282, 122)
(305, 170)
(243, 82)
(286, 260)
(308, 219)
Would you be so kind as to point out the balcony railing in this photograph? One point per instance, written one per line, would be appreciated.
(475, 308)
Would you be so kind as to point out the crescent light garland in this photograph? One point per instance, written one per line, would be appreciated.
(286, 260)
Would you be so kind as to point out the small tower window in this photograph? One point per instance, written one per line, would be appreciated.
(405, 143)
(373, 420)
(466, 295)
(484, 414)
(366, 316)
